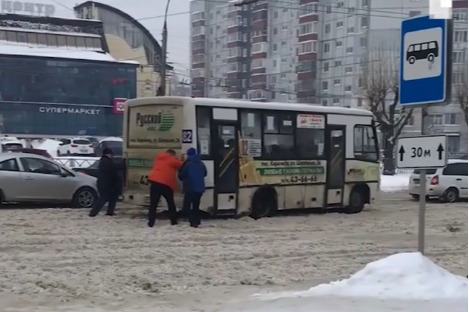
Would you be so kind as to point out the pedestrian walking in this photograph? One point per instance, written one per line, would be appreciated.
(192, 174)
(108, 184)
(162, 179)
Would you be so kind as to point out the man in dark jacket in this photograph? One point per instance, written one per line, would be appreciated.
(108, 184)
(192, 174)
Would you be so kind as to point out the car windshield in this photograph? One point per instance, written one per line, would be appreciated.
(429, 171)
(82, 141)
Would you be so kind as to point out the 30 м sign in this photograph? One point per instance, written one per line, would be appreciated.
(422, 152)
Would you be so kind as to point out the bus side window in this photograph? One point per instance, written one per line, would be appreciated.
(364, 145)
(203, 130)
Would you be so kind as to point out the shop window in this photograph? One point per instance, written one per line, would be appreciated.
(364, 146)
(279, 142)
(203, 130)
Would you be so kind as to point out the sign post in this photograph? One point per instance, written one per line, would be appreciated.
(425, 80)
(422, 153)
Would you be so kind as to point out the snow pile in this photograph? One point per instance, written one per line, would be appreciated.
(51, 146)
(395, 183)
(406, 276)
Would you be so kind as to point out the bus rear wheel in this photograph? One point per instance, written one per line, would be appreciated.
(264, 203)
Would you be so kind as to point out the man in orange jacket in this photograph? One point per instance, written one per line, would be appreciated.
(162, 179)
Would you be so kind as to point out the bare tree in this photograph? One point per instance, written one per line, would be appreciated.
(381, 89)
(460, 91)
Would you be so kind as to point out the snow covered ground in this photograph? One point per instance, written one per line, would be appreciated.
(395, 183)
(62, 260)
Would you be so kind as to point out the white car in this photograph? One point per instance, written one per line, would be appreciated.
(448, 184)
(75, 146)
(34, 178)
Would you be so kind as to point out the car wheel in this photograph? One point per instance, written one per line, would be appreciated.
(84, 198)
(415, 196)
(451, 195)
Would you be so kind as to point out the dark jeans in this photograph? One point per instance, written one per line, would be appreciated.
(156, 191)
(105, 197)
(191, 207)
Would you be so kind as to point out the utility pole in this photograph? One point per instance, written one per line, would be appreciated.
(164, 43)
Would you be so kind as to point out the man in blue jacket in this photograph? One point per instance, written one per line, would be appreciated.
(192, 174)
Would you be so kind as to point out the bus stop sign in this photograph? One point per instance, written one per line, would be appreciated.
(425, 64)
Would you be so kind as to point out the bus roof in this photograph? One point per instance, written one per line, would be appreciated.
(235, 103)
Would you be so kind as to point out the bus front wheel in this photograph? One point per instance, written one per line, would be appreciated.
(264, 203)
(411, 60)
(356, 200)
(430, 57)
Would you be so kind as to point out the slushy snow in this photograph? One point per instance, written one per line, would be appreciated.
(405, 276)
(395, 183)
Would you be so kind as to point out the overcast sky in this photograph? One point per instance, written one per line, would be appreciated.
(178, 22)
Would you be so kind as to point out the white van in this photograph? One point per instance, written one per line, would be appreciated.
(448, 184)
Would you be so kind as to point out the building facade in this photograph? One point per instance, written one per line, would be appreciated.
(265, 51)
(128, 39)
(56, 78)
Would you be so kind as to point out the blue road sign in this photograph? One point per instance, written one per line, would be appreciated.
(424, 62)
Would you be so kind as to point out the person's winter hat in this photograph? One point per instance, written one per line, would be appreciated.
(191, 151)
(107, 151)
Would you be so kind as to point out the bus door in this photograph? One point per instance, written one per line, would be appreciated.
(226, 166)
(335, 136)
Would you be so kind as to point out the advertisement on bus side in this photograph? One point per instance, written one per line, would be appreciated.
(155, 126)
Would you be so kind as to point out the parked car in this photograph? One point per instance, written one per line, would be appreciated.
(94, 141)
(448, 184)
(75, 146)
(10, 144)
(116, 144)
(33, 178)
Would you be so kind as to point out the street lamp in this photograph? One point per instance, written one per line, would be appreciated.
(162, 89)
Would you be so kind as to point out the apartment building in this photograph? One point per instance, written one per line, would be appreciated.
(265, 51)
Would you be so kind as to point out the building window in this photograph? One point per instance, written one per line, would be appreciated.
(279, 138)
(414, 13)
(436, 119)
(327, 28)
(336, 82)
(348, 88)
(453, 147)
(348, 69)
(308, 47)
(363, 42)
(460, 36)
(336, 101)
(309, 28)
(359, 102)
(350, 30)
(337, 63)
(326, 67)
(326, 47)
(275, 31)
(338, 43)
(325, 86)
(339, 24)
(309, 8)
(364, 22)
(203, 130)
(257, 63)
(349, 50)
(365, 3)
(364, 146)
(450, 119)
(274, 47)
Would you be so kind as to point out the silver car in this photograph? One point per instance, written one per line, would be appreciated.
(33, 178)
